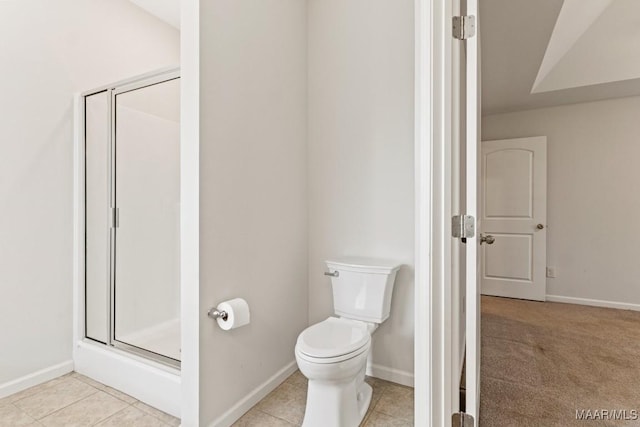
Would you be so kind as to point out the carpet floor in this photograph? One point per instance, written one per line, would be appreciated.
(542, 362)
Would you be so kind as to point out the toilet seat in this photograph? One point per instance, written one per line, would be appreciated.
(333, 340)
(332, 360)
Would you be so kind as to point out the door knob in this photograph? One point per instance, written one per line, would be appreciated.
(540, 226)
(488, 239)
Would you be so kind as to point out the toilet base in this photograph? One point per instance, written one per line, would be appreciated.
(337, 404)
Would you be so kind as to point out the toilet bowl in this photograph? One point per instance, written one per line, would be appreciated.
(333, 354)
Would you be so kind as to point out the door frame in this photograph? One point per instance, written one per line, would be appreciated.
(113, 91)
(190, 210)
(433, 194)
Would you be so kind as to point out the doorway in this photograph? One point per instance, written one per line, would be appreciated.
(567, 356)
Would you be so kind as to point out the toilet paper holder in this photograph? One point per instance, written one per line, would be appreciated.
(216, 314)
(231, 314)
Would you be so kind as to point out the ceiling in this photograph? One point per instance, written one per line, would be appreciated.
(558, 52)
(165, 10)
(539, 53)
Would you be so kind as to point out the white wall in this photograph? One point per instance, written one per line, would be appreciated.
(253, 211)
(361, 158)
(593, 154)
(51, 50)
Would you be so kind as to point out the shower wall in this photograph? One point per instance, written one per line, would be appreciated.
(148, 237)
(43, 66)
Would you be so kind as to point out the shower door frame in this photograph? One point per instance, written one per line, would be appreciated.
(114, 90)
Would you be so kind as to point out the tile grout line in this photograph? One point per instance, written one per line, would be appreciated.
(106, 392)
(64, 407)
(392, 416)
(23, 412)
(129, 405)
(149, 413)
(38, 420)
(31, 394)
(93, 391)
(373, 409)
(274, 416)
(59, 409)
(113, 415)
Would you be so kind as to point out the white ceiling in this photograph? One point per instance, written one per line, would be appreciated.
(576, 16)
(558, 52)
(165, 10)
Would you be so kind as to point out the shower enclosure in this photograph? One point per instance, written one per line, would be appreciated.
(132, 215)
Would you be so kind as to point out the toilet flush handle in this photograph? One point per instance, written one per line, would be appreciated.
(332, 273)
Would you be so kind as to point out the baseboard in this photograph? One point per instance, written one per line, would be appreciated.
(593, 302)
(35, 378)
(390, 374)
(240, 408)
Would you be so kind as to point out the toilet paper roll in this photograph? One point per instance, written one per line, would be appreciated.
(237, 314)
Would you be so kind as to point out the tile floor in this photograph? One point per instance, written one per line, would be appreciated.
(391, 405)
(74, 400)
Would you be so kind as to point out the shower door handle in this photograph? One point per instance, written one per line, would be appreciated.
(115, 217)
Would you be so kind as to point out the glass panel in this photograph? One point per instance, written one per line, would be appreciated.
(147, 264)
(97, 215)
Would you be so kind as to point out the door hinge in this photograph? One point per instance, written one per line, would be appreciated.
(463, 227)
(461, 419)
(464, 27)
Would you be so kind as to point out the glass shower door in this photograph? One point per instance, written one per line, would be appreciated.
(146, 267)
(97, 209)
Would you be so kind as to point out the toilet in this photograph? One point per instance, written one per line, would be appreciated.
(333, 353)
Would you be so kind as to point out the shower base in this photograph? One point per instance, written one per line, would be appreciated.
(153, 383)
(163, 339)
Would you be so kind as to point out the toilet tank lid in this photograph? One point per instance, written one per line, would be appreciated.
(363, 264)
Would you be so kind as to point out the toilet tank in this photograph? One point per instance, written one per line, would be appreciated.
(362, 287)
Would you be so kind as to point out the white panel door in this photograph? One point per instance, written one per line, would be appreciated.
(469, 177)
(465, 278)
(514, 213)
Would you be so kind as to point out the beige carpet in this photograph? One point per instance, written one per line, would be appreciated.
(543, 361)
